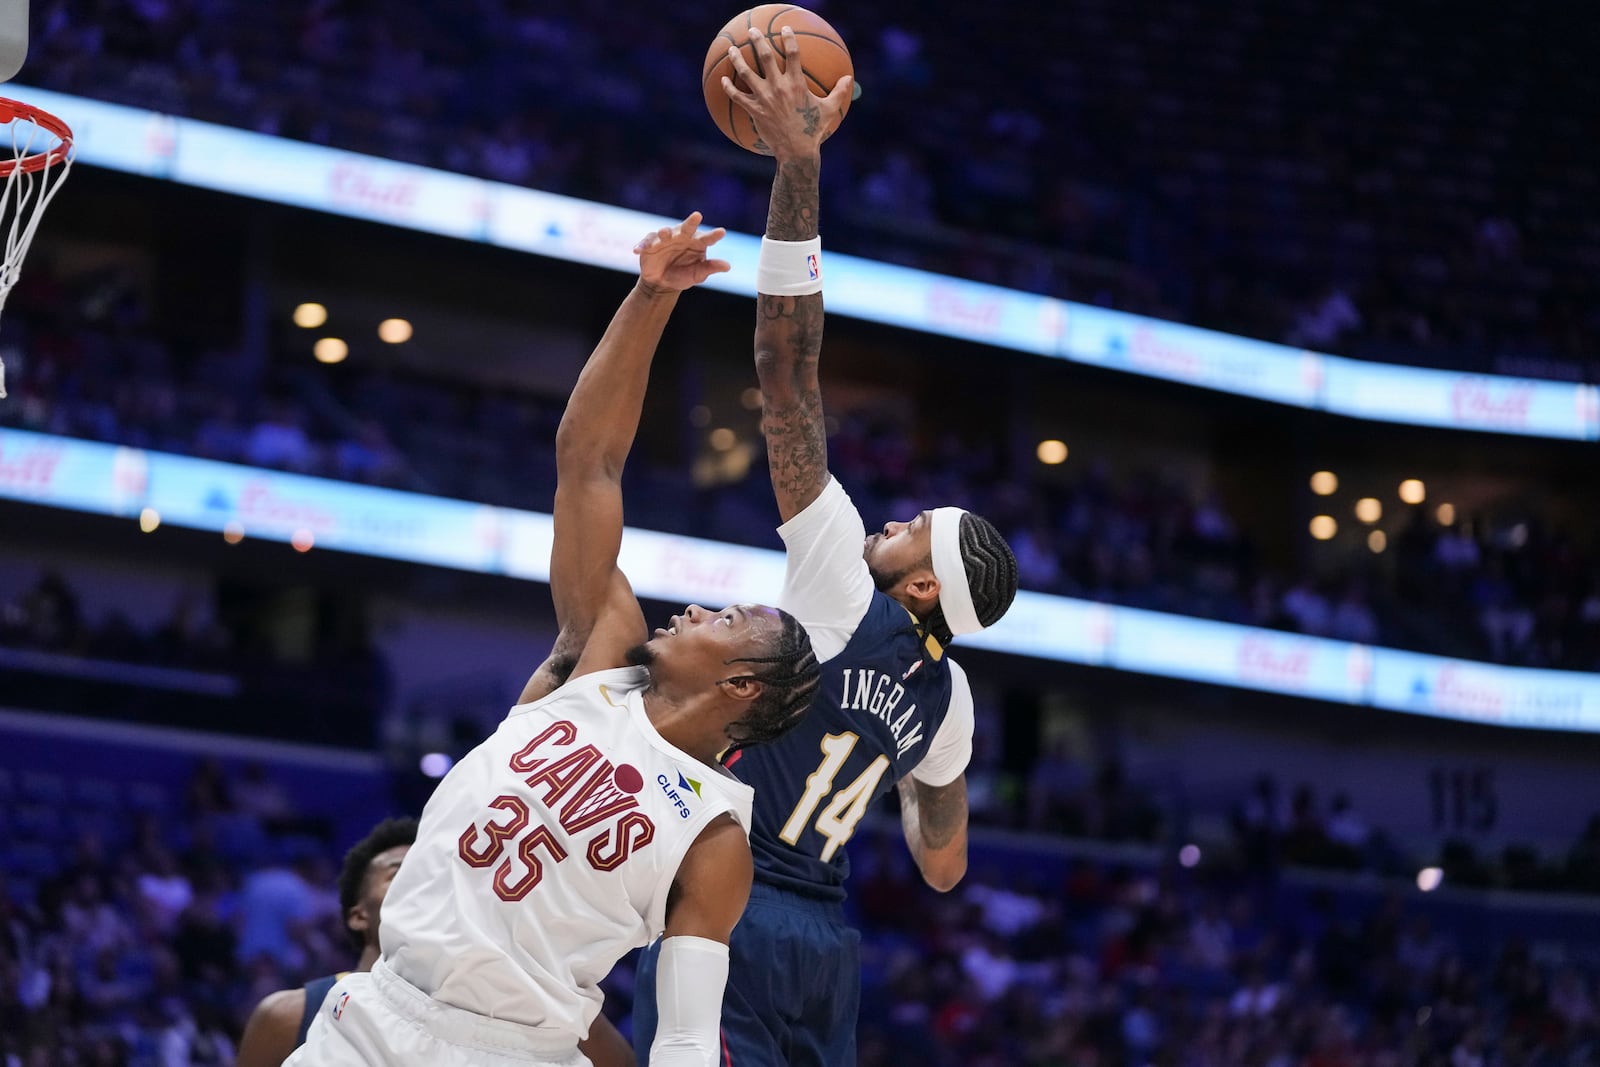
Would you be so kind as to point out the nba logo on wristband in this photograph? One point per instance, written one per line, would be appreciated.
(789, 268)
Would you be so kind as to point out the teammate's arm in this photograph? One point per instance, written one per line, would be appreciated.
(605, 1047)
(708, 895)
(934, 819)
(269, 1035)
(793, 123)
(595, 607)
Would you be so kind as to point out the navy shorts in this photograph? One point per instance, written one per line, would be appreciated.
(794, 986)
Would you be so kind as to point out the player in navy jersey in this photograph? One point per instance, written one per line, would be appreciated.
(893, 710)
(279, 1023)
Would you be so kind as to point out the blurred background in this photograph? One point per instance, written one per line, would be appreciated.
(1289, 757)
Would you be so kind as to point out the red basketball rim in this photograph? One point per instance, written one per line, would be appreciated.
(14, 110)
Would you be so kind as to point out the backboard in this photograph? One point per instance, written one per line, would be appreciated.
(13, 37)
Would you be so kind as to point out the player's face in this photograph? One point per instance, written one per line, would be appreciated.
(700, 644)
(380, 873)
(898, 549)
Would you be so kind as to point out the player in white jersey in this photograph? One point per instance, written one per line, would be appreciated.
(596, 817)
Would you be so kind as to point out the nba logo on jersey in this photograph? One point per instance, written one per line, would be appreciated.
(814, 266)
(338, 1009)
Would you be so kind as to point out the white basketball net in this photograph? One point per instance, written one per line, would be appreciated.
(28, 190)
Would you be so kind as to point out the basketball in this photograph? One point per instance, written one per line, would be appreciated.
(823, 56)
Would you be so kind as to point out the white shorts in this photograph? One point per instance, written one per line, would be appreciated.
(376, 1019)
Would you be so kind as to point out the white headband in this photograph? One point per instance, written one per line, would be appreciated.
(955, 596)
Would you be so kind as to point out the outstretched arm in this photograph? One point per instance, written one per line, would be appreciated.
(595, 607)
(793, 123)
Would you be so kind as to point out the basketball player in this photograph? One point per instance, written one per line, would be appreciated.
(596, 817)
(881, 610)
(278, 1025)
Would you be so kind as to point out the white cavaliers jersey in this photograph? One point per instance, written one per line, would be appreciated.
(546, 855)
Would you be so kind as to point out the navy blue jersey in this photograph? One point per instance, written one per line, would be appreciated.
(881, 701)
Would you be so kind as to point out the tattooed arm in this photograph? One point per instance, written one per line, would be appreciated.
(934, 819)
(788, 347)
(793, 123)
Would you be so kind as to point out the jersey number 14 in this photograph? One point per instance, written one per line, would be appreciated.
(837, 823)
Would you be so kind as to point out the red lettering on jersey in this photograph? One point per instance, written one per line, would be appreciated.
(599, 799)
(557, 733)
(515, 891)
(476, 856)
(564, 773)
(633, 831)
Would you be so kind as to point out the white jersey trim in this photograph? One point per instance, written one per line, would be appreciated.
(951, 748)
(631, 677)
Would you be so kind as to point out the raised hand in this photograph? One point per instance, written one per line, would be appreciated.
(674, 257)
(792, 121)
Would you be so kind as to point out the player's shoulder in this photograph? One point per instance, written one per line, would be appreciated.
(273, 1028)
(286, 1005)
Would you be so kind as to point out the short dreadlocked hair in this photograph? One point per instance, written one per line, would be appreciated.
(789, 675)
(390, 833)
(991, 575)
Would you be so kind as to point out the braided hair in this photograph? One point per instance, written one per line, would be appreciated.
(991, 575)
(789, 675)
(390, 833)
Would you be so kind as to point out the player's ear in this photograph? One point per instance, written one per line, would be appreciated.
(921, 585)
(744, 688)
(356, 918)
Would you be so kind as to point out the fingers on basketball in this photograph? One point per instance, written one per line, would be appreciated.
(765, 56)
(741, 67)
(791, 49)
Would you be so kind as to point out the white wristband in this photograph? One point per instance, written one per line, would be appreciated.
(789, 268)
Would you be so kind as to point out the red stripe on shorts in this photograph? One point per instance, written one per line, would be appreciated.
(727, 1057)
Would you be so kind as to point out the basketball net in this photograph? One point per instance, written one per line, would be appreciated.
(40, 159)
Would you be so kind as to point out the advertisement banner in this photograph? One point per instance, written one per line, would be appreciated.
(344, 183)
(1205, 651)
(1052, 627)
(1461, 401)
(207, 495)
(320, 514)
(81, 475)
(1485, 693)
(681, 570)
(1156, 349)
(933, 303)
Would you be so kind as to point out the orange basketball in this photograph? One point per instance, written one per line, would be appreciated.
(823, 57)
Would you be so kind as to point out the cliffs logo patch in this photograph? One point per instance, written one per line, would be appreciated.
(338, 1008)
(679, 794)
